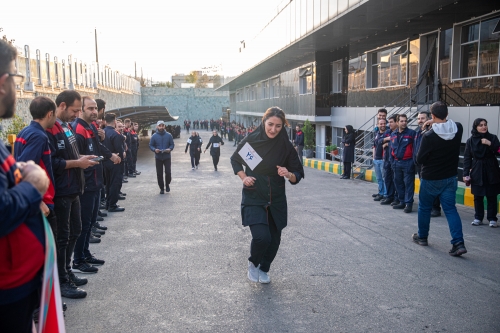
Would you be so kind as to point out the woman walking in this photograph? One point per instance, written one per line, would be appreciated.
(481, 170)
(349, 142)
(215, 142)
(194, 145)
(263, 203)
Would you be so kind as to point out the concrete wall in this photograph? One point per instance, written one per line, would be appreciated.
(189, 103)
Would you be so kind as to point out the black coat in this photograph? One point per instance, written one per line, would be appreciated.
(214, 151)
(485, 170)
(348, 151)
(193, 144)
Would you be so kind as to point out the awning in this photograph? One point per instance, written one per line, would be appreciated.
(144, 115)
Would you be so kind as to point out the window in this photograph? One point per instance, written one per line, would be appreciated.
(357, 73)
(337, 77)
(388, 67)
(274, 88)
(305, 80)
(265, 89)
(479, 46)
(252, 93)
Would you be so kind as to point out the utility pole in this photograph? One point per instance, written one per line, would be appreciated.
(96, 53)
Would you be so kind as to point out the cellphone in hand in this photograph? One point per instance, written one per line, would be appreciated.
(97, 159)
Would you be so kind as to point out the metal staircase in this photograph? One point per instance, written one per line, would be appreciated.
(410, 101)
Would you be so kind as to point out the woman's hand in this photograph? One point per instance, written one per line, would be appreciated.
(486, 142)
(248, 181)
(283, 172)
(346, 144)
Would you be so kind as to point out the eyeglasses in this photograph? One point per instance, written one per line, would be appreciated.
(18, 78)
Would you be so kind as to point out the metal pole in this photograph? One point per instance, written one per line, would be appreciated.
(96, 53)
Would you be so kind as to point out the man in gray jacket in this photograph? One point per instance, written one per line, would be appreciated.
(162, 144)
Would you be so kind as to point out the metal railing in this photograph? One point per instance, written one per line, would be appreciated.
(410, 102)
(449, 94)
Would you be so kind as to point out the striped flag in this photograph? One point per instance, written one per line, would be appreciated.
(51, 317)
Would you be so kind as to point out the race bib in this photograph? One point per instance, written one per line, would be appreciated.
(216, 145)
(250, 156)
(189, 141)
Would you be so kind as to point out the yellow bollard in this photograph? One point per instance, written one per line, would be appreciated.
(11, 138)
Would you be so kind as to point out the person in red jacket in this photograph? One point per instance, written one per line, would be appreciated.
(22, 237)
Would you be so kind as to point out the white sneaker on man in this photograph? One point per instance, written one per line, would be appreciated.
(476, 222)
(493, 224)
(253, 272)
(264, 277)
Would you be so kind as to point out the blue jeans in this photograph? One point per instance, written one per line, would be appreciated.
(404, 178)
(379, 172)
(446, 190)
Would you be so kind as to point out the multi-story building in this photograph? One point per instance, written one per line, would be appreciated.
(336, 62)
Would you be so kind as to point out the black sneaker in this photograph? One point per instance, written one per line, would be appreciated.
(94, 240)
(378, 197)
(418, 240)
(386, 201)
(124, 194)
(69, 290)
(131, 175)
(94, 261)
(92, 234)
(395, 203)
(101, 214)
(76, 280)
(167, 188)
(162, 192)
(435, 213)
(99, 218)
(121, 197)
(137, 172)
(400, 206)
(96, 231)
(375, 195)
(84, 267)
(458, 249)
(408, 208)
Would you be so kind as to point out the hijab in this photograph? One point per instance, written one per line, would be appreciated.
(349, 136)
(273, 152)
(477, 147)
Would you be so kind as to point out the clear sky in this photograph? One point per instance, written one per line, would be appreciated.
(164, 37)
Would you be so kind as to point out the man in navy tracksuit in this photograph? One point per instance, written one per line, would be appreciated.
(135, 147)
(22, 237)
(114, 173)
(390, 196)
(88, 143)
(402, 142)
(68, 166)
(162, 144)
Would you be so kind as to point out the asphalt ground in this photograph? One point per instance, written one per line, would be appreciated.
(177, 262)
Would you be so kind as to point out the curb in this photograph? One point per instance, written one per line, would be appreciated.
(463, 195)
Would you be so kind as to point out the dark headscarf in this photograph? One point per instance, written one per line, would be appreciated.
(272, 151)
(350, 129)
(349, 136)
(478, 149)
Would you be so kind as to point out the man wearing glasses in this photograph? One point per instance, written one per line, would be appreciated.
(22, 187)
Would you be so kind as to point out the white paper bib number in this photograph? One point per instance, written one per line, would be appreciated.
(250, 156)
(216, 145)
(189, 141)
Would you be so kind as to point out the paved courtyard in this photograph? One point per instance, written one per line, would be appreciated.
(177, 262)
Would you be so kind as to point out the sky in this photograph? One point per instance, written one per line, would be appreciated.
(163, 37)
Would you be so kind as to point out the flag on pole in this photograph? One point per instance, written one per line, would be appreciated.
(51, 317)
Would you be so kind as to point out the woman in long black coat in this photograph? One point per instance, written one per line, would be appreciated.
(214, 144)
(481, 169)
(349, 142)
(263, 204)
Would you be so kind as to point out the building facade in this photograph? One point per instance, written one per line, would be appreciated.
(336, 62)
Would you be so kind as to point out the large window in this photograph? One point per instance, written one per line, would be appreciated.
(337, 77)
(357, 71)
(264, 89)
(479, 46)
(305, 80)
(388, 67)
(274, 88)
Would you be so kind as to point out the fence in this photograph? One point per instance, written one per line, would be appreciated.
(45, 72)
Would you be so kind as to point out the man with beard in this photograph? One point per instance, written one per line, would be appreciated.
(378, 161)
(89, 143)
(162, 143)
(68, 166)
(22, 187)
(114, 143)
(215, 143)
(194, 145)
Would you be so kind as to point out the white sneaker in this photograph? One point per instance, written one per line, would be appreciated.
(196, 167)
(192, 168)
(264, 277)
(477, 222)
(493, 224)
(253, 272)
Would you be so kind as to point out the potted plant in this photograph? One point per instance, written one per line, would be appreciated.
(308, 139)
(332, 149)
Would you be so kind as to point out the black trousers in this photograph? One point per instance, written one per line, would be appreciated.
(266, 239)
(347, 169)
(135, 150)
(491, 207)
(130, 160)
(17, 317)
(113, 183)
(160, 165)
(195, 158)
(89, 202)
(215, 159)
(69, 227)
